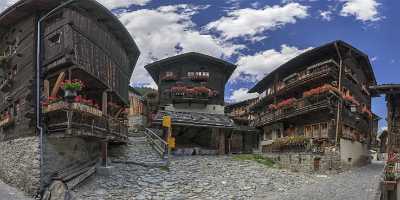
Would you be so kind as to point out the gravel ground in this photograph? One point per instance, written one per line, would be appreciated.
(9, 193)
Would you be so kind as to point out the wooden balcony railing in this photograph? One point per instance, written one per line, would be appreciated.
(299, 107)
(82, 120)
(317, 72)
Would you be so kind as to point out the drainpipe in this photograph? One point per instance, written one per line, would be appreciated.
(339, 105)
(38, 89)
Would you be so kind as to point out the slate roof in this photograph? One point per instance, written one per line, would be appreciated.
(313, 54)
(196, 119)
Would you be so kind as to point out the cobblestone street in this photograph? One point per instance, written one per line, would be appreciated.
(222, 177)
(198, 177)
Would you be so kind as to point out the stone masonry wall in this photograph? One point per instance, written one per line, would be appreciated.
(20, 163)
(61, 153)
(306, 162)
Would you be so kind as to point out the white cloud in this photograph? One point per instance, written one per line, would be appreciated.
(241, 95)
(167, 31)
(326, 15)
(253, 68)
(4, 4)
(250, 22)
(111, 4)
(363, 10)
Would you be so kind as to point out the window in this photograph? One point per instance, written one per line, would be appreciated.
(324, 130)
(169, 73)
(55, 39)
(190, 74)
(316, 131)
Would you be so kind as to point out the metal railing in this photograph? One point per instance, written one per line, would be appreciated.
(159, 144)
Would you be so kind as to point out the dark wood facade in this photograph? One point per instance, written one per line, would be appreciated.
(308, 98)
(392, 93)
(191, 90)
(104, 61)
(191, 78)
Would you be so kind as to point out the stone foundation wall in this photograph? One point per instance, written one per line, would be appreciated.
(61, 153)
(307, 162)
(20, 163)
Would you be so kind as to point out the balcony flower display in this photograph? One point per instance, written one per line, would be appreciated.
(178, 90)
(286, 103)
(365, 110)
(71, 88)
(297, 140)
(203, 91)
(351, 99)
(390, 171)
(272, 107)
(320, 90)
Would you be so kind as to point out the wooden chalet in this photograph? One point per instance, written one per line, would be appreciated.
(191, 90)
(140, 107)
(317, 100)
(244, 138)
(82, 46)
(392, 93)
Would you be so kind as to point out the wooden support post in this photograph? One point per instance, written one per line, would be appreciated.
(221, 142)
(119, 112)
(57, 86)
(46, 89)
(104, 153)
(104, 103)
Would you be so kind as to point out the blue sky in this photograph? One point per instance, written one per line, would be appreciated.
(290, 28)
(259, 35)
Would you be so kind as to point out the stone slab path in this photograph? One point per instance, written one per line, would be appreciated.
(357, 184)
(9, 193)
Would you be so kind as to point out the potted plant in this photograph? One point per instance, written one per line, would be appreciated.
(71, 88)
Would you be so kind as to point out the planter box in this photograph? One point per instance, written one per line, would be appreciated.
(389, 185)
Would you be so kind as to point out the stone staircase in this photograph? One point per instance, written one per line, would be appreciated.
(137, 151)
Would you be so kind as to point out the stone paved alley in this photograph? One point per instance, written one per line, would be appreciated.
(207, 177)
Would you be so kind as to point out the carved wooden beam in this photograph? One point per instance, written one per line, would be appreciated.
(57, 86)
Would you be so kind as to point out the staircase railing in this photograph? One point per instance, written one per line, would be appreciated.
(158, 144)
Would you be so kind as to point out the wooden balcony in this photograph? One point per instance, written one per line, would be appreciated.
(300, 107)
(83, 121)
(321, 72)
(189, 99)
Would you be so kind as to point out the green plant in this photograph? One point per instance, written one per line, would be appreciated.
(72, 85)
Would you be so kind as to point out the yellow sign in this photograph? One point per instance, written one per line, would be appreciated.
(166, 121)
(171, 142)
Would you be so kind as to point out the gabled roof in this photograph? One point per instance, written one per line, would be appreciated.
(24, 8)
(327, 49)
(156, 67)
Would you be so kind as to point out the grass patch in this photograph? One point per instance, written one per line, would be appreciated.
(164, 168)
(257, 158)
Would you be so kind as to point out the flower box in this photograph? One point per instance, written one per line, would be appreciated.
(389, 185)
